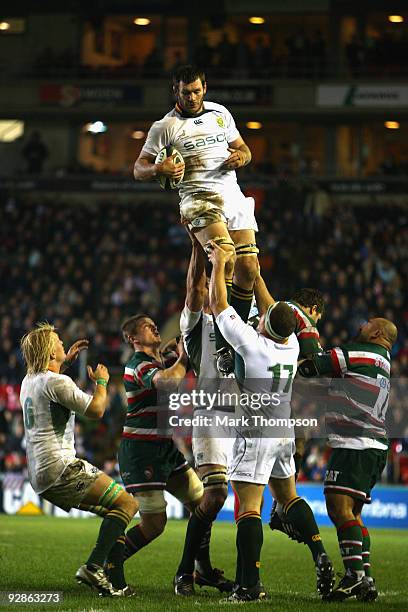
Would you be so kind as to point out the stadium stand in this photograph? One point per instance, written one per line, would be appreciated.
(86, 267)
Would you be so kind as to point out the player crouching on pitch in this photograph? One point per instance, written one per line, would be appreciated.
(50, 400)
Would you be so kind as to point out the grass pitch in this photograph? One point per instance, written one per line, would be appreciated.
(43, 553)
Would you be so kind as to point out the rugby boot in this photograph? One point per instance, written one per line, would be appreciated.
(349, 586)
(324, 575)
(368, 590)
(215, 579)
(243, 594)
(184, 585)
(95, 578)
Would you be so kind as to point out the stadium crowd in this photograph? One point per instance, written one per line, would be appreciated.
(304, 54)
(86, 267)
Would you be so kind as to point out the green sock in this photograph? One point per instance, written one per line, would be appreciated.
(351, 543)
(238, 572)
(300, 514)
(366, 551)
(196, 530)
(250, 540)
(241, 300)
(202, 560)
(113, 526)
(134, 541)
(114, 564)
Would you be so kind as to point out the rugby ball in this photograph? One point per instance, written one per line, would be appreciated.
(164, 181)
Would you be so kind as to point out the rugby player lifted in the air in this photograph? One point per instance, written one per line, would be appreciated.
(211, 199)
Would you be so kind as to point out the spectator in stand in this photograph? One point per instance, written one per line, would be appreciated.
(35, 153)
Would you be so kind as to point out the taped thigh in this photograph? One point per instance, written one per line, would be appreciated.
(108, 497)
(220, 240)
(215, 479)
(190, 489)
(246, 249)
(151, 502)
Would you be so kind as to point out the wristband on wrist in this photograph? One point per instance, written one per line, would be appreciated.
(102, 381)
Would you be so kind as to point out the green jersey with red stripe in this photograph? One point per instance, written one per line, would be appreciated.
(142, 408)
(358, 395)
(306, 332)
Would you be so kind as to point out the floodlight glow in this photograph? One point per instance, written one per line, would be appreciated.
(392, 125)
(141, 21)
(257, 20)
(138, 134)
(97, 127)
(254, 125)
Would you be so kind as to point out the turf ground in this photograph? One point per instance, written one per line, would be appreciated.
(43, 553)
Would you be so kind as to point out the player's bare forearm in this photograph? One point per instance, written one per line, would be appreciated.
(96, 408)
(171, 377)
(262, 296)
(240, 155)
(218, 288)
(145, 169)
(247, 152)
(196, 278)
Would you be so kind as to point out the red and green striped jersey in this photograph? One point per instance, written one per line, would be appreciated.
(306, 332)
(142, 408)
(358, 401)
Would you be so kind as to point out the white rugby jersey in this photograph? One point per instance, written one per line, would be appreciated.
(199, 341)
(50, 401)
(203, 142)
(264, 365)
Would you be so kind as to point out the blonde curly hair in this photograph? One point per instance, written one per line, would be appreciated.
(37, 346)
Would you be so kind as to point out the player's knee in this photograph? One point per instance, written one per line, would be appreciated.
(127, 504)
(130, 504)
(153, 525)
(213, 500)
(246, 268)
(215, 485)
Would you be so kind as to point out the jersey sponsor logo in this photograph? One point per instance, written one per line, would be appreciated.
(198, 122)
(220, 122)
(199, 143)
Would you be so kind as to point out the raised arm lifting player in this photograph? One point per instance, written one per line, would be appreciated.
(210, 449)
(308, 306)
(211, 200)
(265, 359)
